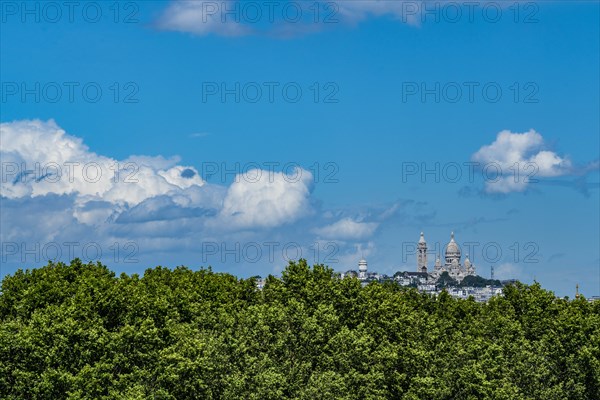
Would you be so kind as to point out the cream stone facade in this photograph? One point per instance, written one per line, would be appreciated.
(451, 263)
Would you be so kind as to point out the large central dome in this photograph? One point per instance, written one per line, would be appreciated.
(452, 250)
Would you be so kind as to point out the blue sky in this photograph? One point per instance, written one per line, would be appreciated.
(380, 97)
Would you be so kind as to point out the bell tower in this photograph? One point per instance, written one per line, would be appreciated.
(422, 254)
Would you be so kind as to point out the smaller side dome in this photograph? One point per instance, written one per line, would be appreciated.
(467, 262)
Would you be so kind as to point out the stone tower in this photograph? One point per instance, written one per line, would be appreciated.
(422, 254)
(362, 269)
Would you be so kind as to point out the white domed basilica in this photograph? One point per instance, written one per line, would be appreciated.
(451, 264)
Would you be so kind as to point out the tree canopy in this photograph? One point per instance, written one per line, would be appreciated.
(79, 331)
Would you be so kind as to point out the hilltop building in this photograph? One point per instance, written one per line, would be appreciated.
(451, 264)
(429, 282)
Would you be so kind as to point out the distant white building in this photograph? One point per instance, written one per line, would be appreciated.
(451, 264)
(406, 278)
(425, 282)
(363, 274)
(362, 269)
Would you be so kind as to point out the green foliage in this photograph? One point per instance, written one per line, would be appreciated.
(445, 280)
(79, 332)
(478, 281)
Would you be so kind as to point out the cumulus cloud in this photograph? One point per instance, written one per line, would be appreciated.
(267, 199)
(515, 160)
(40, 158)
(347, 229)
(59, 194)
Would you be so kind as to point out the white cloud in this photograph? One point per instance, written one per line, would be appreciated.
(347, 229)
(236, 18)
(156, 205)
(201, 18)
(39, 158)
(292, 18)
(267, 199)
(514, 160)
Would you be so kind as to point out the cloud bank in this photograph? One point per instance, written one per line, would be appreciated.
(60, 196)
(39, 159)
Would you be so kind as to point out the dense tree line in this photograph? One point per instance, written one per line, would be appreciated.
(446, 281)
(79, 331)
